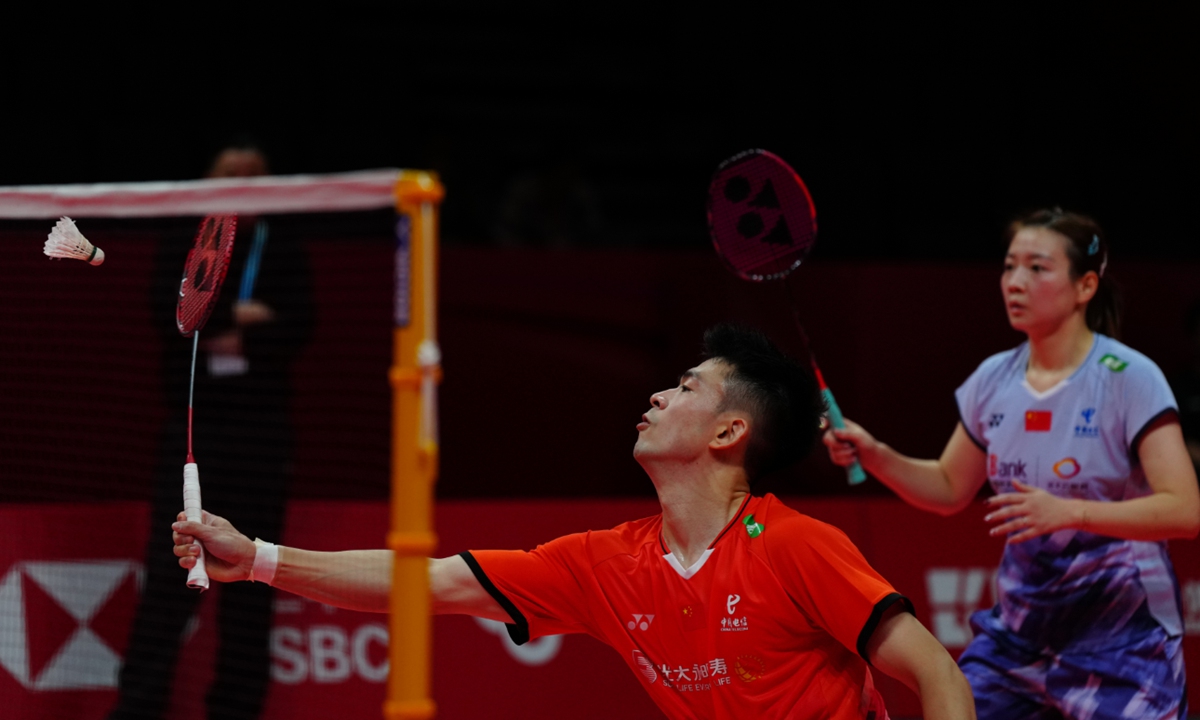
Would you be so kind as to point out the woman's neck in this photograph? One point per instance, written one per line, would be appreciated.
(1053, 356)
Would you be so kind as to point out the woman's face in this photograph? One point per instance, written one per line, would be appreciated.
(1039, 293)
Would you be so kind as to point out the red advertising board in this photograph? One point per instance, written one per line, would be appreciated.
(69, 576)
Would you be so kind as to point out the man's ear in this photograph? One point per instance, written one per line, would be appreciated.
(730, 433)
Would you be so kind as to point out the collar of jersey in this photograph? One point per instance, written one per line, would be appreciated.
(1042, 395)
(695, 568)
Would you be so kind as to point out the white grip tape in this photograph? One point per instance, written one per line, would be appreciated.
(197, 576)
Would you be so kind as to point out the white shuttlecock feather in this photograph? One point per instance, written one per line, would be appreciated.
(65, 241)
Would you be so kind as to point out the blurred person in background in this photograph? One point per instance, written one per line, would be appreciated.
(244, 444)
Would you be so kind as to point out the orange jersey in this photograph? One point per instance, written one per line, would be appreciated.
(772, 621)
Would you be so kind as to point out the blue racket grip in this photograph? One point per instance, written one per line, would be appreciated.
(854, 472)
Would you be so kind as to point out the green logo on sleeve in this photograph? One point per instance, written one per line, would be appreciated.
(1114, 363)
(753, 529)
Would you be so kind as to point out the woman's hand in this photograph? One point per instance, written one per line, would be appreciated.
(1031, 512)
(848, 444)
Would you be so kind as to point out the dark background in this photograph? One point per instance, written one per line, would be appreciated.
(919, 131)
(920, 134)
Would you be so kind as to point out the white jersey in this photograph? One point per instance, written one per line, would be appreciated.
(1079, 440)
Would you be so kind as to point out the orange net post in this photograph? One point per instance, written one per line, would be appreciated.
(415, 373)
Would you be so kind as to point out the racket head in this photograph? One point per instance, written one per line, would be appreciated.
(204, 272)
(760, 216)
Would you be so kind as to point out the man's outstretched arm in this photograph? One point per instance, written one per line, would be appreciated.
(352, 579)
(904, 649)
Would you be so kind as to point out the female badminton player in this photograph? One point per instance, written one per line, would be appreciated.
(1079, 437)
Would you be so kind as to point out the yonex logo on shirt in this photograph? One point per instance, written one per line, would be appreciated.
(1114, 363)
(640, 622)
(996, 419)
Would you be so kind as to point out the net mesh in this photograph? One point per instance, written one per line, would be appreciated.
(760, 215)
(93, 376)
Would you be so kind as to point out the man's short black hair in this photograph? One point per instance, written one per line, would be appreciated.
(780, 394)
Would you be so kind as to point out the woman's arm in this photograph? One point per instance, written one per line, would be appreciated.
(944, 486)
(1172, 510)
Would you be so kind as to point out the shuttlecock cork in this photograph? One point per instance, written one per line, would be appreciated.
(65, 241)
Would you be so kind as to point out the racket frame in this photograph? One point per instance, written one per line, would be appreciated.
(854, 472)
(190, 325)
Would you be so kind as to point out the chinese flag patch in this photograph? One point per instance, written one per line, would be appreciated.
(1037, 420)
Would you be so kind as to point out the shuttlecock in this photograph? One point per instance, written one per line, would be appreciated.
(65, 241)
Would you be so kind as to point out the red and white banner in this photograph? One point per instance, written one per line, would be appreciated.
(67, 597)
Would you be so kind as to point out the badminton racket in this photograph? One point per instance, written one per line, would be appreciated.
(203, 274)
(763, 224)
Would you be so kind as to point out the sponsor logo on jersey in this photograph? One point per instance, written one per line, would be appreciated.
(1006, 470)
(645, 667)
(640, 622)
(1087, 429)
(1037, 420)
(733, 624)
(749, 668)
(995, 420)
(1067, 468)
(753, 528)
(1114, 363)
(698, 677)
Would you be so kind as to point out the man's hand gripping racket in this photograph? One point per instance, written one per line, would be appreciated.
(763, 224)
(203, 274)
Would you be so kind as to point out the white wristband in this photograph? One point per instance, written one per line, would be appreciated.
(266, 560)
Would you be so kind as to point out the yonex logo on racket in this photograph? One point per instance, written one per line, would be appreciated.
(761, 216)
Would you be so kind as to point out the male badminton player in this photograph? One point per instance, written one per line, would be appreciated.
(726, 605)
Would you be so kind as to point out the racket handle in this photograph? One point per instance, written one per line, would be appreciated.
(854, 472)
(197, 577)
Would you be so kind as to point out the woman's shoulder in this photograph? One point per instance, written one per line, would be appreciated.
(1115, 359)
(1001, 365)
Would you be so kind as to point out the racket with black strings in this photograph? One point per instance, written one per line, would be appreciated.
(203, 274)
(763, 224)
